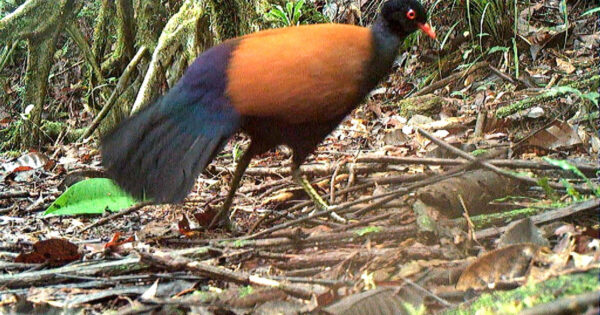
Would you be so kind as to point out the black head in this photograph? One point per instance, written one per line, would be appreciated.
(406, 16)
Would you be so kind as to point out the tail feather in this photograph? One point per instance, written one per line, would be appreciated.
(158, 152)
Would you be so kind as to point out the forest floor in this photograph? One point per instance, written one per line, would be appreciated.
(450, 204)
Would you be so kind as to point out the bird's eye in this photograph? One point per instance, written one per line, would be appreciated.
(411, 15)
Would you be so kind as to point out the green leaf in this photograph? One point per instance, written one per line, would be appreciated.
(550, 192)
(497, 49)
(572, 168)
(565, 166)
(245, 290)
(91, 196)
(571, 191)
(591, 11)
(367, 230)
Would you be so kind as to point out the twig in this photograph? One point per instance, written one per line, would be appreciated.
(441, 83)
(121, 86)
(343, 208)
(592, 204)
(8, 53)
(181, 263)
(28, 279)
(541, 165)
(329, 239)
(118, 215)
(312, 170)
(567, 305)
(15, 194)
(491, 167)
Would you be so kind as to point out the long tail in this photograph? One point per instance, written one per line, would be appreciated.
(159, 151)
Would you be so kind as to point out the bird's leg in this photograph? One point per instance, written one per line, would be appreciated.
(312, 193)
(223, 214)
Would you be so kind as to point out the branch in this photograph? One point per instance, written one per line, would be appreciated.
(31, 19)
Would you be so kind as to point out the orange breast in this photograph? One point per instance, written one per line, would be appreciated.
(299, 74)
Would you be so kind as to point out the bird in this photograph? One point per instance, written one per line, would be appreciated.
(288, 86)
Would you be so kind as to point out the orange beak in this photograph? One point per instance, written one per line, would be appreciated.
(426, 28)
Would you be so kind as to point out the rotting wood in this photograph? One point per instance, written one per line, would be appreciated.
(28, 279)
(546, 95)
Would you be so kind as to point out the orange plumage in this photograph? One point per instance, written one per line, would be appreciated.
(308, 73)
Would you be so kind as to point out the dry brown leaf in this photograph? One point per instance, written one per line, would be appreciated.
(557, 135)
(503, 264)
(565, 66)
(54, 251)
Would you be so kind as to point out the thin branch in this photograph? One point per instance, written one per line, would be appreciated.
(494, 168)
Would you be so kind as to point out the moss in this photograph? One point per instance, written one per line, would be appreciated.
(74, 134)
(509, 302)
(482, 221)
(427, 105)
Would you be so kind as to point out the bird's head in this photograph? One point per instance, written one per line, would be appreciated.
(406, 16)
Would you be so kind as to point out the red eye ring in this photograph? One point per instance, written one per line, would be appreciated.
(411, 15)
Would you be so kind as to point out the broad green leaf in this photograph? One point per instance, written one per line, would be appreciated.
(91, 196)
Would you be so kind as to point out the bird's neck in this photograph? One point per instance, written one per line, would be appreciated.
(385, 49)
(387, 37)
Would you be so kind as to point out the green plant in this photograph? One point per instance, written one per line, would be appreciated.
(288, 16)
(591, 11)
(237, 152)
(492, 18)
(368, 230)
(245, 290)
(573, 169)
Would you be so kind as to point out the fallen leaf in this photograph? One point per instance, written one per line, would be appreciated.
(565, 66)
(55, 252)
(503, 264)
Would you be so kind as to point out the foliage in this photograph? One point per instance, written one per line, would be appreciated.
(91, 196)
(514, 301)
(493, 18)
(572, 168)
(7, 6)
(294, 13)
(245, 290)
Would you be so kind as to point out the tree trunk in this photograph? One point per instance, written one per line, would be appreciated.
(124, 49)
(40, 55)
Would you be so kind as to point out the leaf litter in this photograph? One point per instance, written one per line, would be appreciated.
(284, 256)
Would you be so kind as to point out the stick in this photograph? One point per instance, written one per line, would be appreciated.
(118, 215)
(540, 165)
(567, 305)
(441, 83)
(493, 168)
(181, 263)
(546, 216)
